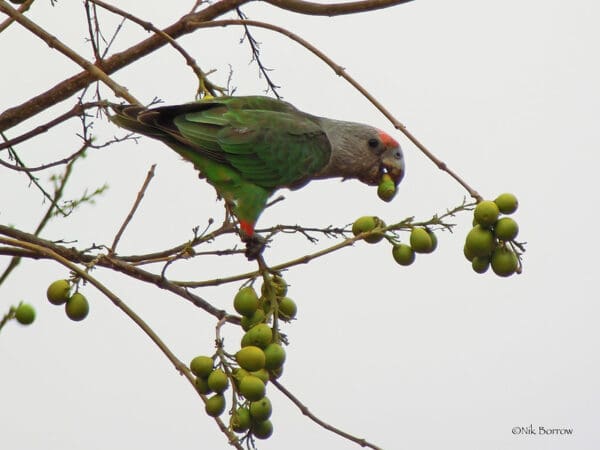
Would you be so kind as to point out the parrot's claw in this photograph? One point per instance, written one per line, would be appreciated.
(255, 245)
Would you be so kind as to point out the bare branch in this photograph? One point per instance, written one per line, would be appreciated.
(54, 42)
(334, 9)
(311, 416)
(70, 86)
(138, 199)
(77, 110)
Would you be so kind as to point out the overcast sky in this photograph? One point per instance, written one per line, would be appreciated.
(432, 356)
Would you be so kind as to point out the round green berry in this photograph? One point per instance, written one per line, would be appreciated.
(403, 254)
(245, 301)
(486, 213)
(274, 356)
(77, 307)
(58, 292)
(201, 366)
(215, 405)
(250, 358)
(507, 203)
(480, 264)
(480, 241)
(25, 314)
(218, 381)
(504, 262)
(366, 224)
(251, 387)
(287, 309)
(506, 229)
(259, 335)
(261, 409)
(240, 420)
(386, 190)
(262, 430)
(420, 240)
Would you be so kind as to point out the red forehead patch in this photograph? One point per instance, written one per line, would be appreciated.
(387, 139)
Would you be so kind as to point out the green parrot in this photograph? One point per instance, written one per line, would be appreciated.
(248, 147)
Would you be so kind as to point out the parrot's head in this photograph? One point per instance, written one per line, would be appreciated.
(391, 158)
(362, 152)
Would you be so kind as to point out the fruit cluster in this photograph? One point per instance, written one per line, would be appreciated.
(422, 239)
(259, 359)
(491, 241)
(76, 305)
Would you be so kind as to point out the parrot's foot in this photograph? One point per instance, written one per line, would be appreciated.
(255, 245)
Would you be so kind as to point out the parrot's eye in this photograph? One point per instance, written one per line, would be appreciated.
(373, 143)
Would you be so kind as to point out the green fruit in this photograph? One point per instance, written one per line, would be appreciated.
(245, 301)
(250, 358)
(480, 241)
(287, 309)
(366, 224)
(252, 388)
(218, 381)
(506, 229)
(274, 356)
(480, 264)
(403, 254)
(77, 307)
(215, 405)
(386, 190)
(259, 335)
(256, 318)
(504, 262)
(263, 374)
(58, 292)
(202, 385)
(262, 430)
(25, 314)
(507, 203)
(420, 240)
(240, 420)
(486, 213)
(261, 410)
(201, 366)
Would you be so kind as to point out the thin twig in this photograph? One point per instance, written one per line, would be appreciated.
(54, 42)
(360, 441)
(254, 47)
(206, 87)
(140, 196)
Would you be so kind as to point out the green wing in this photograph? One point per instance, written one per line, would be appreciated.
(269, 142)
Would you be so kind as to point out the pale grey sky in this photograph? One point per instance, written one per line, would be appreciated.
(432, 356)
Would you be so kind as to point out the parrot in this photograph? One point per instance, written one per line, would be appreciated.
(247, 147)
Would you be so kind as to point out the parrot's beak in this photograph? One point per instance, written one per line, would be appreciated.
(392, 162)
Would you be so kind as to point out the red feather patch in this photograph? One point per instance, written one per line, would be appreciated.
(247, 228)
(389, 141)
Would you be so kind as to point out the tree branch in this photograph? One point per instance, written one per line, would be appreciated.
(63, 90)
(334, 9)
